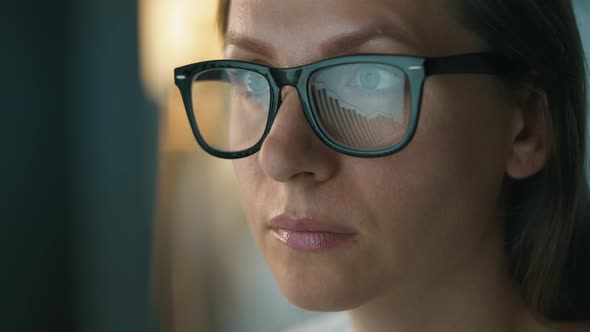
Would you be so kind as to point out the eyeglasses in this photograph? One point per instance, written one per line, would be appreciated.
(359, 105)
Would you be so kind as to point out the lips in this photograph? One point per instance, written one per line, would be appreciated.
(306, 234)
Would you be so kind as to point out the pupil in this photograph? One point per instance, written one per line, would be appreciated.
(370, 79)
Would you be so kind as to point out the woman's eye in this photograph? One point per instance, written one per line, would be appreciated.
(370, 79)
(374, 79)
(255, 83)
(251, 88)
(249, 83)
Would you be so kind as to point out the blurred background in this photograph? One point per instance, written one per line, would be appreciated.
(111, 218)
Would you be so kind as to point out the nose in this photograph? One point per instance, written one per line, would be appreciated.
(291, 148)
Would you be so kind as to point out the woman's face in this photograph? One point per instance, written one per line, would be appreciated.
(413, 217)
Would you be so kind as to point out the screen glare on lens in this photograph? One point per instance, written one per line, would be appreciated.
(362, 106)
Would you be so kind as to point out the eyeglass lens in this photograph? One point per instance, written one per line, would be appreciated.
(363, 106)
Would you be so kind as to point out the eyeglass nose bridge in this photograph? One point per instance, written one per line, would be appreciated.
(288, 76)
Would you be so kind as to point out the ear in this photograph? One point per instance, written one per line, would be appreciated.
(530, 132)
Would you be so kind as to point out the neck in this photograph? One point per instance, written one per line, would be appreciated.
(476, 297)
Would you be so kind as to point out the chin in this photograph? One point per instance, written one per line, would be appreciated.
(317, 291)
(322, 301)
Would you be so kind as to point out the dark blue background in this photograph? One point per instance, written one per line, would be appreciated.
(78, 155)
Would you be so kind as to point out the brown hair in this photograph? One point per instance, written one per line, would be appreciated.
(223, 16)
(548, 229)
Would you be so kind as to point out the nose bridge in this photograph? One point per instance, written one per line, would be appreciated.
(289, 76)
(290, 147)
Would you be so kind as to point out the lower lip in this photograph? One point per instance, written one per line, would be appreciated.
(312, 241)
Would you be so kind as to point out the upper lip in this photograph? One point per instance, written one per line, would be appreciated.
(307, 224)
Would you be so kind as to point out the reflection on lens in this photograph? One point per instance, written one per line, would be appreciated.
(362, 106)
(230, 107)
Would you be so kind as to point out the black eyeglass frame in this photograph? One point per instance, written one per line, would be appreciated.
(416, 69)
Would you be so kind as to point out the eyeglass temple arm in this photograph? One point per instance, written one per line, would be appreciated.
(474, 63)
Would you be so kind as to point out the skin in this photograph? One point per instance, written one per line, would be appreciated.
(429, 219)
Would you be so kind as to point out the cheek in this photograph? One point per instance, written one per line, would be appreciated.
(440, 194)
(257, 191)
(462, 142)
(464, 125)
(247, 174)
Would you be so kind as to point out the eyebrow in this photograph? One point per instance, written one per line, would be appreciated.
(251, 44)
(351, 41)
(335, 45)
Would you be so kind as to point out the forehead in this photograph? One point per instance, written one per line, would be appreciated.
(303, 27)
